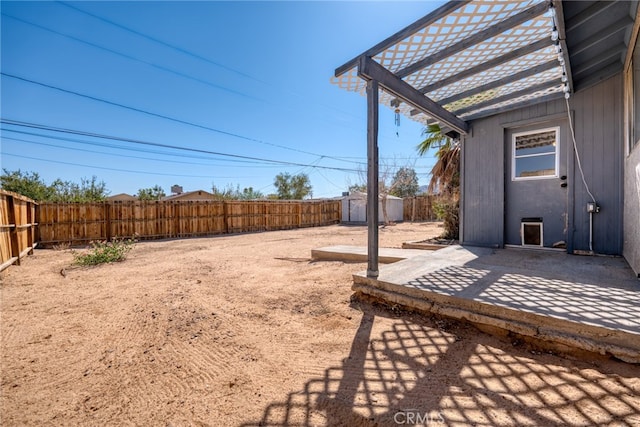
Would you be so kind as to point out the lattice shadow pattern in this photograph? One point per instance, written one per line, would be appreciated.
(412, 366)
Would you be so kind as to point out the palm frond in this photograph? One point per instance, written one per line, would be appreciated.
(434, 138)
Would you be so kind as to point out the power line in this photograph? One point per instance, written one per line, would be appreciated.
(180, 74)
(133, 58)
(115, 169)
(163, 43)
(126, 155)
(162, 116)
(163, 68)
(120, 147)
(174, 147)
(194, 55)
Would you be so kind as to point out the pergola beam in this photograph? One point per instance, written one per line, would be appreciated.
(515, 106)
(512, 95)
(479, 37)
(562, 39)
(368, 69)
(408, 31)
(501, 82)
(515, 54)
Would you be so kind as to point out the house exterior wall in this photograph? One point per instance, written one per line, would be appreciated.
(631, 246)
(599, 124)
(598, 121)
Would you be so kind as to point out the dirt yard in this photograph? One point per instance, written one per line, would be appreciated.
(246, 330)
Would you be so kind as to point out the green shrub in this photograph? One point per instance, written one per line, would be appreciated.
(448, 212)
(104, 252)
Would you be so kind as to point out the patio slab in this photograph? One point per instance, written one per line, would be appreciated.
(591, 303)
(359, 254)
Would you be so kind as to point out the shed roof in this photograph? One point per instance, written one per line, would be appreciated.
(478, 58)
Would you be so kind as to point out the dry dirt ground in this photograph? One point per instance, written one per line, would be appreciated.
(246, 330)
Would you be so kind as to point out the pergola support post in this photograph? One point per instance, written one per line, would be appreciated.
(372, 178)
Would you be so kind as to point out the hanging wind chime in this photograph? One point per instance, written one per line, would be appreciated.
(395, 103)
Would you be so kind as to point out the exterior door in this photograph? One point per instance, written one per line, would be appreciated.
(536, 185)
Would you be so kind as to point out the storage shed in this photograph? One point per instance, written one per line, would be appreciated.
(354, 208)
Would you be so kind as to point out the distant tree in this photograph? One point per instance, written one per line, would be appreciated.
(89, 190)
(231, 193)
(292, 187)
(31, 185)
(403, 177)
(250, 194)
(93, 190)
(361, 188)
(404, 183)
(153, 193)
(28, 184)
(227, 193)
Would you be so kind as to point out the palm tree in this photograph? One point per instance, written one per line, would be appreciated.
(445, 175)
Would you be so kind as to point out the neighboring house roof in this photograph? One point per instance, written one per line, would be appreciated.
(471, 59)
(191, 195)
(122, 197)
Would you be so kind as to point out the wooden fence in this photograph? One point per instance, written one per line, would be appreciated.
(17, 228)
(80, 223)
(420, 208)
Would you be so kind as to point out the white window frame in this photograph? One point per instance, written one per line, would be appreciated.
(514, 158)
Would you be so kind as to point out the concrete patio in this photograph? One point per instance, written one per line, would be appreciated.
(590, 303)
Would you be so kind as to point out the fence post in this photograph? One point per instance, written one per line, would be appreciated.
(225, 216)
(30, 230)
(413, 209)
(107, 221)
(36, 223)
(13, 234)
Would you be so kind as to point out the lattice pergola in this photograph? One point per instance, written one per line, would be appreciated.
(471, 58)
(475, 58)
(465, 60)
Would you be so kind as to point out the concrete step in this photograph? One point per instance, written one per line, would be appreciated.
(348, 253)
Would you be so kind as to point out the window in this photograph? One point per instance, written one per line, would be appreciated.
(535, 154)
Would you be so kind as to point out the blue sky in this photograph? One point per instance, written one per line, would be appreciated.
(246, 79)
